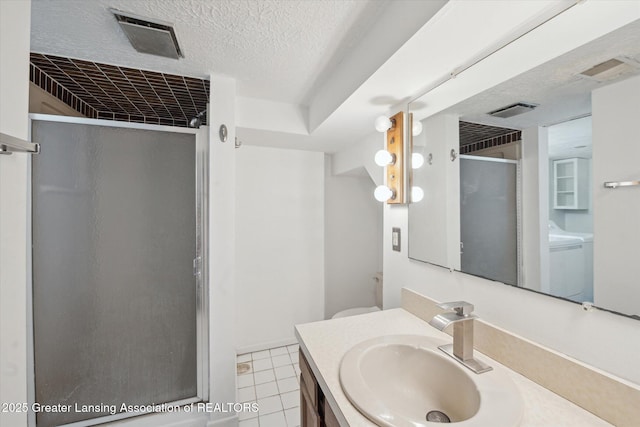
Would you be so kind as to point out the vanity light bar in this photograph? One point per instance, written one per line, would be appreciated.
(395, 171)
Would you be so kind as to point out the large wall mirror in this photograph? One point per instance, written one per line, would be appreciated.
(522, 199)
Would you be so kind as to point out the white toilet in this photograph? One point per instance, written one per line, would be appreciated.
(362, 310)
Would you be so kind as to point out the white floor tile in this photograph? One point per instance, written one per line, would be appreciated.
(293, 417)
(273, 420)
(273, 382)
(264, 376)
(281, 360)
(295, 357)
(290, 399)
(278, 351)
(269, 405)
(260, 354)
(261, 365)
(245, 415)
(246, 394)
(286, 371)
(244, 358)
(253, 422)
(288, 384)
(245, 381)
(266, 390)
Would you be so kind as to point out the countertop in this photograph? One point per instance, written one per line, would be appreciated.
(325, 343)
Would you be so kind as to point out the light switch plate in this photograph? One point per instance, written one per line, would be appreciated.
(395, 238)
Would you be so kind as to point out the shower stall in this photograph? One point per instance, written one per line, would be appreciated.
(490, 218)
(119, 313)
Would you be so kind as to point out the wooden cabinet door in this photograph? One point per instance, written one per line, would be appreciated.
(308, 413)
(329, 419)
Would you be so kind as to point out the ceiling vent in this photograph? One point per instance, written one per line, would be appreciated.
(154, 37)
(611, 69)
(513, 110)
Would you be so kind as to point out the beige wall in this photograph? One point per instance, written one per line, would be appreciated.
(506, 151)
(40, 101)
(15, 20)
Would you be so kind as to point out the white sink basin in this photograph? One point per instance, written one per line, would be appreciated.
(396, 380)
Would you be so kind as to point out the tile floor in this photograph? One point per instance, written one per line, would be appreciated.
(272, 380)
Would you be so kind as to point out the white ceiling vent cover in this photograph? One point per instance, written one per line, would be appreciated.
(611, 69)
(150, 36)
(513, 110)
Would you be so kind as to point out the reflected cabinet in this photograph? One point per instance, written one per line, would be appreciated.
(571, 183)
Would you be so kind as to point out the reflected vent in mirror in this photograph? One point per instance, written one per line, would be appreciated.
(611, 69)
(513, 110)
(154, 37)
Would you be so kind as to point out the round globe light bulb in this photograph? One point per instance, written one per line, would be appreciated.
(383, 124)
(417, 128)
(384, 158)
(416, 194)
(383, 193)
(417, 160)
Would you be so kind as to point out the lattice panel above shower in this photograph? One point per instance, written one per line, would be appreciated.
(110, 92)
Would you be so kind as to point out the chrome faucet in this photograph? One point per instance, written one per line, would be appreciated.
(462, 347)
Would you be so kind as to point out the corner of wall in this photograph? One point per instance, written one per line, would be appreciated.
(360, 155)
(222, 357)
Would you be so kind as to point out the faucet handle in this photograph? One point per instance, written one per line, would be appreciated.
(462, 308)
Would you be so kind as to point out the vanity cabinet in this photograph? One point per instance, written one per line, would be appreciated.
(314, 408)
(571, 183)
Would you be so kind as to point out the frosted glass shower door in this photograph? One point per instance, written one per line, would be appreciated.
(114, 294)
(489, 218)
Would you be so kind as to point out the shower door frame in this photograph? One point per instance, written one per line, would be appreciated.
(519, 250)
(200, 264)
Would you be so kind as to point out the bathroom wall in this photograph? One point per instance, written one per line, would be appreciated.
(353, 240)
(222, 273)
(359, 158)
(616, 157)
(559, 325)
(535, 217)
(15, 24)
(279, 244)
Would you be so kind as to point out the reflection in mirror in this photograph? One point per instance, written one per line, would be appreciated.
(535, 152)
(488, 218)
(431, 219)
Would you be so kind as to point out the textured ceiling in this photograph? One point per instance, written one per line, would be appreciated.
(555, 86)
(276, 49)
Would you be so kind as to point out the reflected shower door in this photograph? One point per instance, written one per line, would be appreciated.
(489, 218)
(114, 294)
